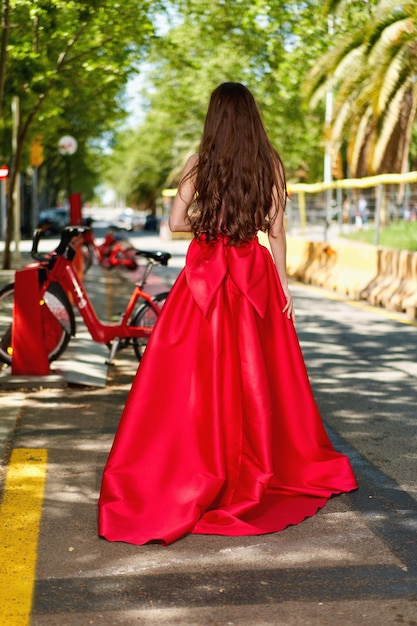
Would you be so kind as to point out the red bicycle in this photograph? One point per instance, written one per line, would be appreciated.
(115, 251)
(58, 281)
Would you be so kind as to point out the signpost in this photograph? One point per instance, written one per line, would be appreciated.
(67, 146)
(4, 172)
(36, 160)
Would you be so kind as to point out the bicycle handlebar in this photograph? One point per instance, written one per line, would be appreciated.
(68, 233)
(35, 242)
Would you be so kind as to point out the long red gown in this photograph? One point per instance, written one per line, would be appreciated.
(220, 433)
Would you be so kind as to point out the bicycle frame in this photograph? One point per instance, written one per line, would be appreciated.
(111, 253)
(63, 273)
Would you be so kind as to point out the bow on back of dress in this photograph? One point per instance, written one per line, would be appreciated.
(208, 264)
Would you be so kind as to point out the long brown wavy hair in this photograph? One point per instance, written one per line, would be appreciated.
(237, 171)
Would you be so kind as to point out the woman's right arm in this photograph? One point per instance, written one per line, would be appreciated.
(184, 197)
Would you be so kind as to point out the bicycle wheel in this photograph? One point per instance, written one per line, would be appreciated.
(147, 317)
(57, 322)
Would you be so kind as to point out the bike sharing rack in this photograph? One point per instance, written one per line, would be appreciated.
(29, 354)
(30, 364)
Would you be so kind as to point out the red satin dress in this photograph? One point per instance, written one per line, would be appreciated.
(220, 433)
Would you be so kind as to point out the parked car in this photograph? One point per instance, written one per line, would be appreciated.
(130, 220)
(54, 220)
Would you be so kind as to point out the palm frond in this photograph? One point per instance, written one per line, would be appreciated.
(371, 72)
(344, 114)
(390, 83)
(391, 37)
(325, 66)
(358, 141)
(389, 123)
(350, 62)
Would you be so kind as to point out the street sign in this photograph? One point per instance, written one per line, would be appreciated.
(4, 172)
(67, 145)
(36, 151)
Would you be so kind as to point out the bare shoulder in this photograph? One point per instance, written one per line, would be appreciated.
(188, 175)
(191, 162)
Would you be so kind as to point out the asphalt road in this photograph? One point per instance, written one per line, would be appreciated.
(354, 563)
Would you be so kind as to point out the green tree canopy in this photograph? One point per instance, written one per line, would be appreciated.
(65, 63)
(268, 46)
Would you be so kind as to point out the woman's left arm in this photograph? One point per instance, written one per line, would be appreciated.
(278, 243)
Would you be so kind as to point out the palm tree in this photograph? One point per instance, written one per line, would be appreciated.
(373, 72)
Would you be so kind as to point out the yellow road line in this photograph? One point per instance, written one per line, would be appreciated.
(20, 516)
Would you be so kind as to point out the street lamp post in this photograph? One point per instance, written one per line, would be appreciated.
(4, 172)
(327, 150)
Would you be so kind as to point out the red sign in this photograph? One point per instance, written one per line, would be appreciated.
(4, 172)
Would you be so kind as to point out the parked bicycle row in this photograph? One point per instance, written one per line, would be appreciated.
(60, 285)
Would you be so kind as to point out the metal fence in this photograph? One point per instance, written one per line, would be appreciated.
(352, 203)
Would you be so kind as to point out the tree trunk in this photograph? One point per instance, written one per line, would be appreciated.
(3, 48)
(10, 205)
(21, 134)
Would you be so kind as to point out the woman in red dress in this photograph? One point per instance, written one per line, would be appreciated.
(221, 433)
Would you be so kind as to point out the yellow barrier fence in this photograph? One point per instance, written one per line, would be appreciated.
(381, 276)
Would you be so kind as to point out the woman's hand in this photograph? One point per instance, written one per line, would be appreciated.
(289, 307)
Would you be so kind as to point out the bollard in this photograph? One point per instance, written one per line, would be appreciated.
(317, 260)
(75, 209)
(29, 356)
(409, 300)
(392, 295)
(387, 273)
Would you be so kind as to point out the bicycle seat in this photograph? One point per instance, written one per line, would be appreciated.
(73, 231)
(158, 256)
